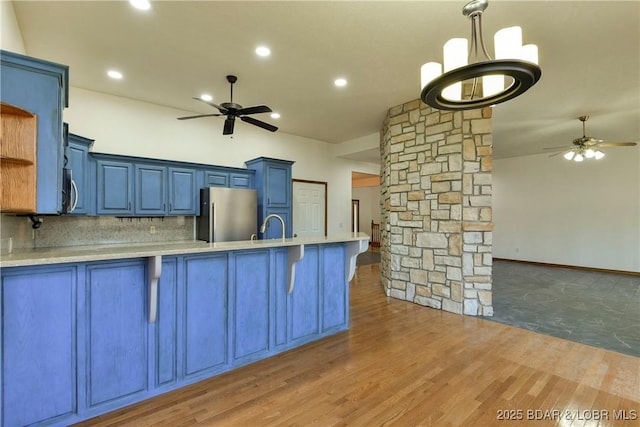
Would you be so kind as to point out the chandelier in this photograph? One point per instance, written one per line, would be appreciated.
(472, 79)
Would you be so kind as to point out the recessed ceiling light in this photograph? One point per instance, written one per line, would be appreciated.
(114, 74)
(275, 115)
(140, 4)
(340, 82)
(263, 51)
(206, 97)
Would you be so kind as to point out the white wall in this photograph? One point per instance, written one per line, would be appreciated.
(125, 126)
(583, 214)
(369, 198)
(10, 37)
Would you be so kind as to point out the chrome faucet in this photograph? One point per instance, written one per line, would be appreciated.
(263, 227)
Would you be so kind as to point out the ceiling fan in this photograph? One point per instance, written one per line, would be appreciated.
(233, 110)
(587, 146)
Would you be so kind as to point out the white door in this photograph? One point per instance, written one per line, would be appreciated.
(309, 209)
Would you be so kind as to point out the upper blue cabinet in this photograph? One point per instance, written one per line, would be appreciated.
(40, 87)
(274, 186)
(78, 161)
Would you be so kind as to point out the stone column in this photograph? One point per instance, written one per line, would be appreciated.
(436, 225)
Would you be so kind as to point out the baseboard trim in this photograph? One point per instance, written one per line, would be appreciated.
(574, 267)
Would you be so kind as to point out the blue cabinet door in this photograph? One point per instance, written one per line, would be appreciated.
(182, 191)
(251, 298)
(205, 315)
(115, 188)
(278, 185)
(150, 190)
(240, 180)
(78, 162)
(40, 87)
(335, 289)
(38, 344)
(304, 301)
(216, 179)
(116, 333)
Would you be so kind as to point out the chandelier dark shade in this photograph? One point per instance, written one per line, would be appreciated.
(471, 78)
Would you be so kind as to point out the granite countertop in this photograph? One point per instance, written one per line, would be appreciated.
(59, 255)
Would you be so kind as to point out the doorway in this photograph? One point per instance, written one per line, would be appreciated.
(309, 208)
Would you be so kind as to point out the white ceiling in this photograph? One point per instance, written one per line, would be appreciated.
(589, 55)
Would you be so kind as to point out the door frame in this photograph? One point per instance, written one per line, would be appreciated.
(326, 195)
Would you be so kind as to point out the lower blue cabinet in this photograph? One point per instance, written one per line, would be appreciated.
(77, 341)
(38, 344)
(251, 302)
(116, 331)
(204, 348)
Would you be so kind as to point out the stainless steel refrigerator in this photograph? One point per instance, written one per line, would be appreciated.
(227, 214)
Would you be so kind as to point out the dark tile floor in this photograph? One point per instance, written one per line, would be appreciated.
(594, 308)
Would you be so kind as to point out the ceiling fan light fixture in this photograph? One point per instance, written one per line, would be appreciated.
(514, 64)
(578, 158)
(589, 153)
(598, 154)
(569, 155)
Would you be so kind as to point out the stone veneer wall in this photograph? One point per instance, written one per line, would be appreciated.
(436, 207)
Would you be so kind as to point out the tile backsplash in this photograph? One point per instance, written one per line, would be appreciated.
(56, 231)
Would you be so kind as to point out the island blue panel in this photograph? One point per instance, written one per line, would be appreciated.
(335, 291)
(117, 331)
(38, 344)
(305, 298)
(251, 304)
(205, 346)
(167, 324)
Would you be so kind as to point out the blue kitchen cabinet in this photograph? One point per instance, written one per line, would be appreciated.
(304, 301)
(78, 162)
(150, 190)
(40, 87)
(115, 333)
(205, 321)
(115, 187)
(240, 180)
(274, 185)
(250, 290)
(335, 288)
(182, 192)
(214, 178)
(38, 325)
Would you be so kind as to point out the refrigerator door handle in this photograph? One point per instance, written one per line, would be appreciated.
(212, 219)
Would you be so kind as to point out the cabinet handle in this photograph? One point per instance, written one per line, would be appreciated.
(170, 207)
(129, 206)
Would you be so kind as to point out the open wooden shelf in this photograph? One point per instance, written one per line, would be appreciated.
(18, 138)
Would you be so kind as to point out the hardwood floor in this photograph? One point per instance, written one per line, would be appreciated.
(405, 365)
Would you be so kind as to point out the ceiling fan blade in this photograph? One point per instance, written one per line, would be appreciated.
(198, 116)
(228, 126)
(259, 123)
(564, 147)
(617, 144)
(557, 154)
(254, 110)
(220, 108)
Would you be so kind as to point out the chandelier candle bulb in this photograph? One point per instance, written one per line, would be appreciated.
(508, 43)
(529, 53)
(455, 56)
(428, 72)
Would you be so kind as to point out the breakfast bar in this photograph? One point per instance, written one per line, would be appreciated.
(87, 330)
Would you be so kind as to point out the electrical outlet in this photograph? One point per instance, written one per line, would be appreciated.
(152, 229)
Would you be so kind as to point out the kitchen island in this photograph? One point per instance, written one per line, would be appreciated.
(86, 330)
